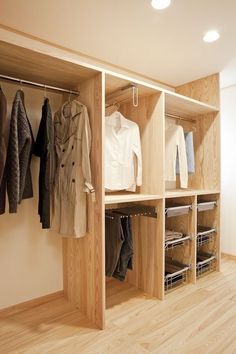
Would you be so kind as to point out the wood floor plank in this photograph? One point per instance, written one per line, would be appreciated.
(196, 319)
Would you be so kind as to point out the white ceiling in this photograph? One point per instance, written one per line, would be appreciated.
(165, 45)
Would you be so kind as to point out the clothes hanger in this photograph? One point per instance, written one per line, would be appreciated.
(69, 99)
(45, 92)
(110, 109)
(20, 86)
(67, 104)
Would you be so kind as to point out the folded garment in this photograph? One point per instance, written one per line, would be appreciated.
(172, 235)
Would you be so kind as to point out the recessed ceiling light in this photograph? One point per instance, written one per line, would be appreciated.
(160, 4)
(211, 36)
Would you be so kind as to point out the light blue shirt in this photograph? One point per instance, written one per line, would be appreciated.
(188, 136)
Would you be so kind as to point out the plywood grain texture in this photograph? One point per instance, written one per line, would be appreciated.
(114, 85)
(197, 318)
(211, 218)
(129, 197)
(148, 253)
(150, 118)
(84, 278)
(29, 65)
(206, 90)
(185, 106)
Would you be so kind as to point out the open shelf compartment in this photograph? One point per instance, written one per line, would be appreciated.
(205, 235)
(147, 229)
(176, 274)
(206, 263)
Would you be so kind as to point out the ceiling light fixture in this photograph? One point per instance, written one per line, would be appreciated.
(211, 36)
(160, 4)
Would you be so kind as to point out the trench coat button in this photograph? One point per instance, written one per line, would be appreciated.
(62, 165)
(73, 180)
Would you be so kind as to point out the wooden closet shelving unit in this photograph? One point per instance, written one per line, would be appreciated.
(84, 259)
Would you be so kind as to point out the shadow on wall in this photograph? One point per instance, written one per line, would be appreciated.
(31, 258)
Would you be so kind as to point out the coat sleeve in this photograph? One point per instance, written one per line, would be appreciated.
(86, 148)
(138, 153)
(13, 167)
(40, 139)
(3, 134)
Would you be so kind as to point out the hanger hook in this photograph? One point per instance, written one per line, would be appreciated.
(20, 84)
(70, 96)
(45, 91)
(135, 95)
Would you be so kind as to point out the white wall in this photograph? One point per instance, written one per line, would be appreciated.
(30, 258)
(228, 170)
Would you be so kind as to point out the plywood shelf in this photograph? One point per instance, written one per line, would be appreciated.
(34, 66)
(126, 198)
(185, 106)
(175, 193)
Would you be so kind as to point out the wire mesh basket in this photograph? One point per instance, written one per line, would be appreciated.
(206, 263)
(205, 235)
(177, 210)
(171, 244)
(204, 206)
(175, 275)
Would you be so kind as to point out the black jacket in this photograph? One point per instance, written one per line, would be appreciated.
(3, 150)
(44, 148)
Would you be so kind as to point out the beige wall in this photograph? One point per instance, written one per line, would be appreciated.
(30, 258)
(228, 170)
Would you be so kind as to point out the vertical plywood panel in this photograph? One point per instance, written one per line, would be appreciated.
(211, 218)
(148, 237)
(207, 147)
(84, 277)
(194, 241)
(149, 116)
(207, 153)
(206, 90)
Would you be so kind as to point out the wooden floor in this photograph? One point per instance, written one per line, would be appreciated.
(197, 319)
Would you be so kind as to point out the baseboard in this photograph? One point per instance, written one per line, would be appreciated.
(31, 303)
(232, 256)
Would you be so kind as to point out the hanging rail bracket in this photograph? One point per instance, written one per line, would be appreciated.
(112, 98)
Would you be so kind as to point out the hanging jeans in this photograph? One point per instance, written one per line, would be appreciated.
(114, 238)
(126, 253)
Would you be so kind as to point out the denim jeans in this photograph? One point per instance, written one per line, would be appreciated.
(114, 238)
(126, 253)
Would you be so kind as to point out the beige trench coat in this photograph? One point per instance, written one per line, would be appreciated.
(73, 174)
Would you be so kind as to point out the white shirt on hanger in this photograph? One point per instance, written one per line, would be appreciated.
(174, 135)
(123, 160)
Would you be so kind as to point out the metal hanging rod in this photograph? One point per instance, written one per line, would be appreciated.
(120, 92)
(48, 87)
(173, 116)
